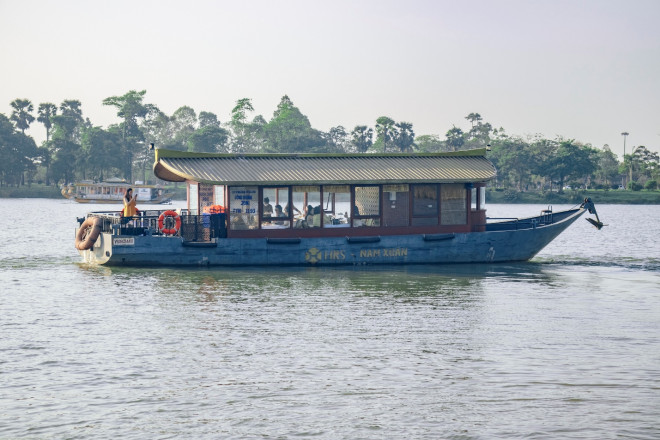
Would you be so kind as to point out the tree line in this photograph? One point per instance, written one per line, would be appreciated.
(75, 148)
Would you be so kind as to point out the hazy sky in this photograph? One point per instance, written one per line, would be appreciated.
(580, 69)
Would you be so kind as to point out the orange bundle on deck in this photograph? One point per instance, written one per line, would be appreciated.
(214, 209)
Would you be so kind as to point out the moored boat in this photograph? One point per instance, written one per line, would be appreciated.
(112, 191)
(322, 209)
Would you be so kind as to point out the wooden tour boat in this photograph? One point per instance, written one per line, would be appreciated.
(322, 209)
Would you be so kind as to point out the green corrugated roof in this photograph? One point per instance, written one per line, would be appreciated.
(306, 169)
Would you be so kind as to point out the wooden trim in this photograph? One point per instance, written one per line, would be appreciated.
(438, 237)
(366, 239)
(275, 240)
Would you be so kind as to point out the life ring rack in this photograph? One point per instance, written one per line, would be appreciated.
(177, 222)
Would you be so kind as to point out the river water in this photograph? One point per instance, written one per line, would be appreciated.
(565, 346)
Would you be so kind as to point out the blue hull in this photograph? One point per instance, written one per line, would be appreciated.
(506, 241)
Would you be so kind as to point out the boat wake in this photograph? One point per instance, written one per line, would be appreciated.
(628, 263)
(30, 262)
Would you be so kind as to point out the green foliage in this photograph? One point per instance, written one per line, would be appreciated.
(515, 161)
(384, 132)
(336, 139)
(102, 153)
(21, 114)
(66, 154)
(74, 148)
(430, 143)
(634, 186)
(18, 151)
(290, 131)
(607, 166)
(208, 119)
(129, 106)
(646, 163)
(455, 138)
(362, 138)
(403, 137)
(474, 118)
(208, 139)
(246, 136)
(183, 123)
(132, 111)
(46, 111)
(569, 160)
(71, 108)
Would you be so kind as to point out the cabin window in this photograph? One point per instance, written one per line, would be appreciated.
(453, 209)
(243, 207)
(396, 205)
(336, 206)
(193, 198)
(425, 205)
(366, 208)
(478, 196)
(275, 208)
(219, 195)
(307, 206)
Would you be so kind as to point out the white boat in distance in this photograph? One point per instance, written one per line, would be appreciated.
(113, 190)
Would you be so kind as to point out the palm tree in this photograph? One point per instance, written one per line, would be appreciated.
(385, 130)
(455, 138)
(473, 118)
(21, 115)
(404, 136)
(46, 111)
(362, 138)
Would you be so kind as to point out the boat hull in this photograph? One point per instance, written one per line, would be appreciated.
(474, 247)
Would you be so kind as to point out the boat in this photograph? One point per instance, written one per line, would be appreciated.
(112, 191)
(322, 210)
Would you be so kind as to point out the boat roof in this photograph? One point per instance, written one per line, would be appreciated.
(321, 169)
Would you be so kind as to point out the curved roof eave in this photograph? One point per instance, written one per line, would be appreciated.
(314, 169)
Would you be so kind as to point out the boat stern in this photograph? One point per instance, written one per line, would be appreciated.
(100, 252)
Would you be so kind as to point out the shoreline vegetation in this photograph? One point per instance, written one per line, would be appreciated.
(493, 195)
(76, 149)
(531, 169)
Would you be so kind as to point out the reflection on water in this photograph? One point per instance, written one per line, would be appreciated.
(413, 280)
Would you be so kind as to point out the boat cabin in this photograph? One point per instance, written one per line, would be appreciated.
(326, 195)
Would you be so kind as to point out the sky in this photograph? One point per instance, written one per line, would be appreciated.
(581, 69)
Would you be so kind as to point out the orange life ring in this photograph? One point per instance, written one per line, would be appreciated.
(177, 222)
(88, 232)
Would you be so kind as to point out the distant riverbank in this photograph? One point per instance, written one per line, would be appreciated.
(614, 197)
(492, 195)
(36, 191)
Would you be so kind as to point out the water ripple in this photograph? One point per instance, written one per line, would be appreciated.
(565, 346)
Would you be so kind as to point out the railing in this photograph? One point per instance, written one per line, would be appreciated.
(547, 217)
(193, 228)
(509, 223)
